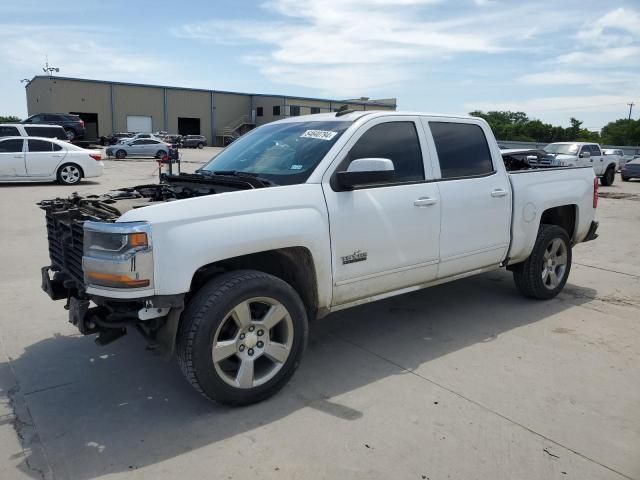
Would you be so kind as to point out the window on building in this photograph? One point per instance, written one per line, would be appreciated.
(276, 110)
(294, 111)
(315, 110)
(259, 111)
(462, 149)
(397, 141)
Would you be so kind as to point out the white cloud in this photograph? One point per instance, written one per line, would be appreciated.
(578, 77)
(344, 47)
(24, 48)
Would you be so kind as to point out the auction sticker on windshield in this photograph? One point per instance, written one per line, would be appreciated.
(319, 134)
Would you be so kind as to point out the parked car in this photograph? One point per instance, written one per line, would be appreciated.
(115, 138)
(175, 140)
(619, 155)
(142, 147)
(137, 136)
(194, 141)
(226, 270)
(72, 124)
(579, 154)
(37, 159)
(631, 170)
(19, 130)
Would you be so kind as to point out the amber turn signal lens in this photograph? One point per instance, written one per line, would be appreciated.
(114, 280)
(138, 239)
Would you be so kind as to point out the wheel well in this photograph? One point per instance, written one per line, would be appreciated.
(564, 216)
(294, 265)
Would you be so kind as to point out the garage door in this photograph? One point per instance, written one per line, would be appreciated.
(139, 124)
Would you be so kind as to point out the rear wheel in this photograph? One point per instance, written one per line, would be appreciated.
(625, 179)
(70, 134)
(241, 337)
(544, 274)
(200, 145)
(69, 174)
(160, 154)
(608, 177)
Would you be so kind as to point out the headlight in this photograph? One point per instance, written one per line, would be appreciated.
(118, 255)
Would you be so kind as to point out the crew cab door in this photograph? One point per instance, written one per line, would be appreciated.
(475, 194)
(43, 157)
(384, 236)
(12, 158)
(598, 159)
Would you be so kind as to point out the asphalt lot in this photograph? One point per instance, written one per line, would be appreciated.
(460, 381)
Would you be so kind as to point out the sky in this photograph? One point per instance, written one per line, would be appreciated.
(553, 59)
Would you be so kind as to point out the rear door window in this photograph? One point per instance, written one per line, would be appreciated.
(9, 131)
(39, 145)
(595, 151)
(11, 146)
(462, 149)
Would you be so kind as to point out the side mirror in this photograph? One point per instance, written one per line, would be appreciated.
(363, 171)
(585, 155)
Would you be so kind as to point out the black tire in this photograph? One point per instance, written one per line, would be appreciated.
(69, 174)
(608, 178)
(529, 275)
(625, 179)
(121, 154)
(200, 145)
(160, 154)
(71, 135)
(210, 311)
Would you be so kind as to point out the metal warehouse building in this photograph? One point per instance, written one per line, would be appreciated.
(109, 107)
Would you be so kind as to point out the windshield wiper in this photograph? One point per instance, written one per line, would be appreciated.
(255, 178)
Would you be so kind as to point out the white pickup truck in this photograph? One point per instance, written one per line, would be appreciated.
(300, 218)
(572, 154)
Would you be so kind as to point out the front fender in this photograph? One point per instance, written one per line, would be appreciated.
(188, 234)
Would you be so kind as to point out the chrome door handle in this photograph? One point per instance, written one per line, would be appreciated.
(17, 156)
(57, 156)
(499, 193)
(425, 202)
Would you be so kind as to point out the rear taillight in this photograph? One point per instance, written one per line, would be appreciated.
(98, 157)
(595, 192)
(81, 123)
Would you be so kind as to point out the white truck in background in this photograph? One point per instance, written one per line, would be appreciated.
(300, 218)
(581, 154)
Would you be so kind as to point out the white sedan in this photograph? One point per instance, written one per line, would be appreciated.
(36, 159)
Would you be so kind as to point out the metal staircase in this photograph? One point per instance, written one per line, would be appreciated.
(237, 128)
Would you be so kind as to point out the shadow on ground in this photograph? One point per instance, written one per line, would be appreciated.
(114, 409)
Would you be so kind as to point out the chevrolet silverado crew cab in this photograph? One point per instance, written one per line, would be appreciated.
(573, 154)
(303, 217)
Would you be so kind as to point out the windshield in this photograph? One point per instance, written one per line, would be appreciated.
(562, 148)
(284, 153)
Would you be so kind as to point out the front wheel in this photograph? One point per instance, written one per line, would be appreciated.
(608, 177)
(201, 146)
(625, 179)
(544, 274)
(160, 154)
(241, 337)
(121, 154)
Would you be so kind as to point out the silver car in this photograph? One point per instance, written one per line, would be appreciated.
(142, 147)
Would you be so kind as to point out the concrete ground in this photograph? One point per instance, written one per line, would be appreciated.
(460, 381)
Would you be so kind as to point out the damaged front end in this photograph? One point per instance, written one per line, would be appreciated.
(104, 268)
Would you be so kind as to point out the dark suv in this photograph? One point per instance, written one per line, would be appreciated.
(72, 124)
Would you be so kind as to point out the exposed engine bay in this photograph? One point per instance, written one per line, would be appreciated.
(110, 206)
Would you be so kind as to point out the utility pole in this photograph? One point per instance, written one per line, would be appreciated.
(629, 123)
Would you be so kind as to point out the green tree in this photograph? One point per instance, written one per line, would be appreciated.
(10, 119)
(621, 132)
